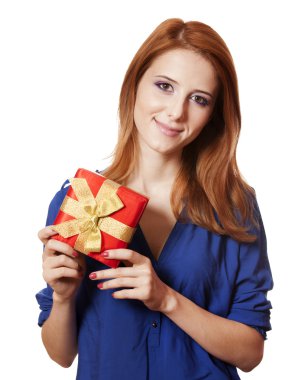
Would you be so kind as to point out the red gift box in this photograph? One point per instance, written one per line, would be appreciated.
(98, 214)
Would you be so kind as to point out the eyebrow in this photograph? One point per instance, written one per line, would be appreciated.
(174, 81)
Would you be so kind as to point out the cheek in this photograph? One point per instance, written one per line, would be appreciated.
(196, 133)
(148, 102)
(199, 118)
(138, 110)
(140, 114)
(198, 121)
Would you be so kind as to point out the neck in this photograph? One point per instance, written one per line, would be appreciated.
(154, 172)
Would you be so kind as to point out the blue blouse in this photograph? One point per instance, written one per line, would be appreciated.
(123, 339)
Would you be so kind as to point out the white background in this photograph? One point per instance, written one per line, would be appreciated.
(62, 64)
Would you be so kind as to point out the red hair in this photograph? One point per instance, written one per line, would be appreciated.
(209, 181)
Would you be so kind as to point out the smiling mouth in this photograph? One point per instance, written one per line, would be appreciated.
(166, 130)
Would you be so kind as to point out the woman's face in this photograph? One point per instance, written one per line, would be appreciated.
(174, 101)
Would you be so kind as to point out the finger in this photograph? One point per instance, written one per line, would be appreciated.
(127, 263)
(128, 282)
(113, 273)
(81, 260)
(126, 254)
(126, 294)
(62, 272)
(45, 234)
(53, 262)
(55, 246)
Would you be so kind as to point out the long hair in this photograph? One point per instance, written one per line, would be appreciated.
(209, 182)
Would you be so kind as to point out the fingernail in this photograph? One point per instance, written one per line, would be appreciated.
(100, 285)
(105, 254)
(75, 254)
(92, 276)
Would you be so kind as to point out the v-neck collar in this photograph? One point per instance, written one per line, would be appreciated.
(165, 248)
(168, 243)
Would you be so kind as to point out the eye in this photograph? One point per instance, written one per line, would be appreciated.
(200, 100)
(164, 86)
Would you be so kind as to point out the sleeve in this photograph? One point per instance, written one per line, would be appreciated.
(44, 297)
(253, 281)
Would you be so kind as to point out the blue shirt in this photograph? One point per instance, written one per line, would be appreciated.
(123, 339)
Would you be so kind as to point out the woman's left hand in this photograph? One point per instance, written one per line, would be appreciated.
(139, 275)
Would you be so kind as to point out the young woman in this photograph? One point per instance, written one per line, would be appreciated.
(189, 299)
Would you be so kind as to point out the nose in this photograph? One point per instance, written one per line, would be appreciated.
(176, 108)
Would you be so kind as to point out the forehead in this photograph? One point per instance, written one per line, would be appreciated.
(186, 67)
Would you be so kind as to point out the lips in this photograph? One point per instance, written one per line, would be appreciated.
(166, 130)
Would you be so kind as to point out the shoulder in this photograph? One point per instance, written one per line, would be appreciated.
(56, 203)
(57, 200)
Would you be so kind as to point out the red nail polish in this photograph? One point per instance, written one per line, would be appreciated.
(105, 254)
(75, 254)
(100, 285)
(92, 276)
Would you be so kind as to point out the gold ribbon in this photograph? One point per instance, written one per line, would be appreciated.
(92, 216)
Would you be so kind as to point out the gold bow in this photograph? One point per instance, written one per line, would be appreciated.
(91, 216)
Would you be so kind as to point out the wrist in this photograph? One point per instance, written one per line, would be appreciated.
(60, 300)
(170, 301)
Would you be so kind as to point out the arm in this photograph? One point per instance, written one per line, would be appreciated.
(59, 332)
(228, 338)
(230, 341)
(63, 271)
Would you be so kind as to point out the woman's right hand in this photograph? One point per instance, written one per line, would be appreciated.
(63, 267)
